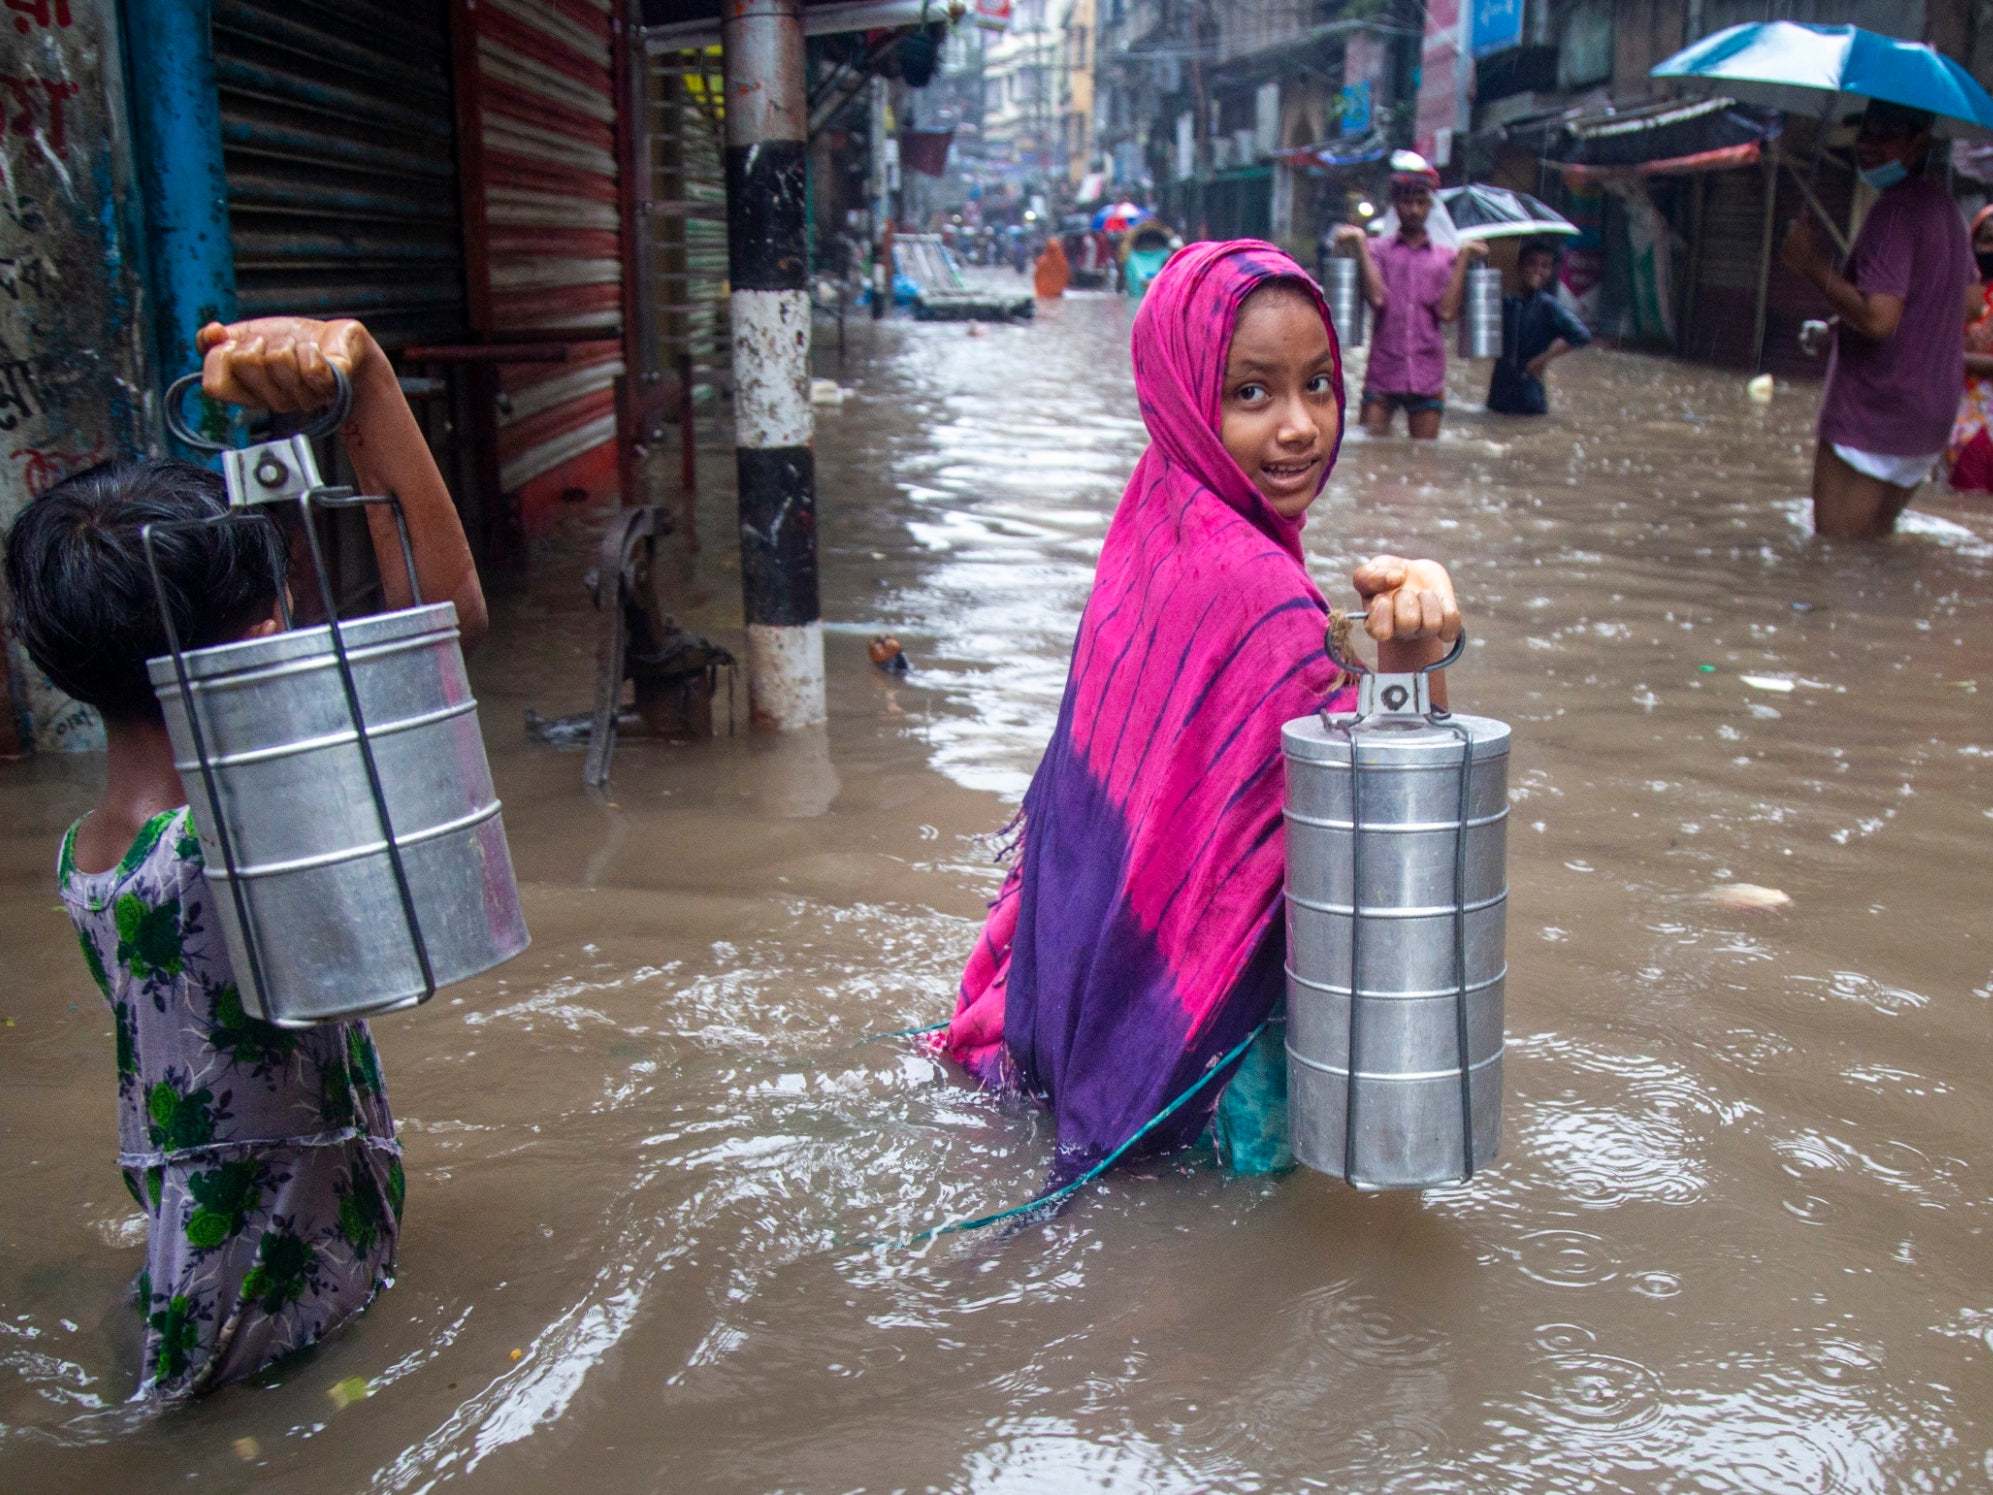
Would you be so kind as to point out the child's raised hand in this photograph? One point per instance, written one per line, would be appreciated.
(280, 363)
(1407, 600)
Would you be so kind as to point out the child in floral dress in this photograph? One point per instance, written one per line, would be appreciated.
(265, 1159)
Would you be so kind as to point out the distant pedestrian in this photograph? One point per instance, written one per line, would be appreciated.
(1537, 330)
(1898, 362)
(1053, 272)
(1415, 285)
(1971, 453)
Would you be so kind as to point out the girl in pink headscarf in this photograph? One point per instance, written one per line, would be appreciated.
(1137, 939)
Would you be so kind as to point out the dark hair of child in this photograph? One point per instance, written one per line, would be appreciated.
(84, 606)
(1533, 247)
(1275, 286)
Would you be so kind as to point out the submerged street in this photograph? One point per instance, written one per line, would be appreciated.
(659, 1166)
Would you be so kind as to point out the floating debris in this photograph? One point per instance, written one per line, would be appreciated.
(1760, 389)
(246, 1449)
(344, 1393)
(885, 652)
(1768, 682)
(1748, 895)
(518, 1355)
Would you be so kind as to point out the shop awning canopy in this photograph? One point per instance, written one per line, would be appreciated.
(1334, 156)
(670, 25)
(1663, 139)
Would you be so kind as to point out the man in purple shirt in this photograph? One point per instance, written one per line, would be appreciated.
(1898, 361)
(1415, 287)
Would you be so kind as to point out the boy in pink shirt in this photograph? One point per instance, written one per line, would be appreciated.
(1898, 359)
(1415, 287)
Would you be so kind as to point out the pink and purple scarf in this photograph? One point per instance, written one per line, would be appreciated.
(1138, 936)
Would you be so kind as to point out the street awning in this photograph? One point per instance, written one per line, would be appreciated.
(672, 25)
(1332, 156)
(1665, 139)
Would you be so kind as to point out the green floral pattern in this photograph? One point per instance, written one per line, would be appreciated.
(149, 938)
(285, 1268)
(264, 1158)
(224, 1198)
(175, 1337)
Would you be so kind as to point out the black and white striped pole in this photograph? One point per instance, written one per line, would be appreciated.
(767, 113)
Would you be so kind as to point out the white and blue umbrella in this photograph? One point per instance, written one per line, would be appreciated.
(1483, 212)
(1828, 70)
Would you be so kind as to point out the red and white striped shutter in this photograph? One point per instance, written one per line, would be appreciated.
(544, 247)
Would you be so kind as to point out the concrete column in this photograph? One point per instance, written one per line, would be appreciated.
(773, 426)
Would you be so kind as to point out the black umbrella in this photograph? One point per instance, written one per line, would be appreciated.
(1482, 212)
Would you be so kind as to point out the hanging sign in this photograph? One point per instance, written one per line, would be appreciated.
(1497, 26)
(1355, 102)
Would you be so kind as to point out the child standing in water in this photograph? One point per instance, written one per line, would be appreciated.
(265, 1159)
(1537, 330)
(1138, 937)
(1416, 286)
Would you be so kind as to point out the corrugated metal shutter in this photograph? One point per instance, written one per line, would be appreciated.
(339, 141)
(1726, 293)
(543, 214)
(689, 240)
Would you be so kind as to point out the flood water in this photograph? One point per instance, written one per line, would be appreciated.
(1737, 1237)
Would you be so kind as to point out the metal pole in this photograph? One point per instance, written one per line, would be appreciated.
(1765, 260)
(762, 43)
(176, 130)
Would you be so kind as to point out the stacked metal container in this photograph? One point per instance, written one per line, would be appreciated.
(1481, 313)
(338, 779)
(312, 910)
(1397, 893)
(1342, 288)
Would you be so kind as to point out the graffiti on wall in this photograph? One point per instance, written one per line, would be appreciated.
(70, 331)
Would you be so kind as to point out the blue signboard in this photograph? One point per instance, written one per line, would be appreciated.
(1355, 100)
(1497, 25)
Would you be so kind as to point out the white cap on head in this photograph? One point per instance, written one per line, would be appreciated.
(1440, 227)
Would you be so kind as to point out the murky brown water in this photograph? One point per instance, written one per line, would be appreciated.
(1737, 1238)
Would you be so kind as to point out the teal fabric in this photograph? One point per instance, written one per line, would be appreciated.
(1144, 265)
(1250, 1128)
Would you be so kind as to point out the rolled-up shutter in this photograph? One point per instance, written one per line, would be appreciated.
(544, 234)
(338, 137)
(689, 244)
(1726, 286)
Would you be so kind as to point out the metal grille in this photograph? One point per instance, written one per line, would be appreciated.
(338, 143)
(549, 259)
(688, 272)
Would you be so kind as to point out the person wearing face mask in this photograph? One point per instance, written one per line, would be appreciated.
(1971, 452)
(1897, 361)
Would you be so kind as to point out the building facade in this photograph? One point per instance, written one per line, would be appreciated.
(1021, 128)
(1079, 41)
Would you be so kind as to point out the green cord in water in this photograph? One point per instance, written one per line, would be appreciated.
(908, 1032)
(977, 1223)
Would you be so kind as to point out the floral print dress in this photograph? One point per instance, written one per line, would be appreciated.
(264, 1158)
